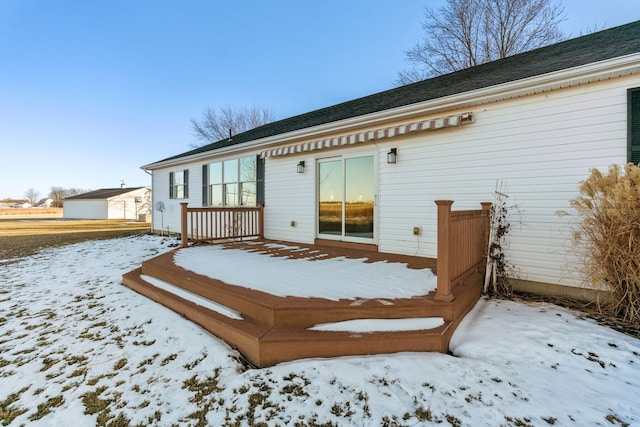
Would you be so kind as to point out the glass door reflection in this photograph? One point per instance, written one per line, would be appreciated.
(330, 197)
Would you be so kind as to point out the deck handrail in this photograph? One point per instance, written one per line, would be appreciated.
(463, 236)
(208, 224)
(463, 239)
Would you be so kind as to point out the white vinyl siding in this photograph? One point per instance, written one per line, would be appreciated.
(86, 209)
(540, 146)
(290, 196)
(169, 220)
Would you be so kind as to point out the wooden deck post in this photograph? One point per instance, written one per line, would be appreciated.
(443, 292)
(183, 224)
(261, 220)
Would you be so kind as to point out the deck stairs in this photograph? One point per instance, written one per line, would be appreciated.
(268, 329)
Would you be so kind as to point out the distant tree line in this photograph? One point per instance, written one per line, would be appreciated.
(56, 194)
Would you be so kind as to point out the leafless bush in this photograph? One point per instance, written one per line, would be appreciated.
(608, 236)
(499, 268)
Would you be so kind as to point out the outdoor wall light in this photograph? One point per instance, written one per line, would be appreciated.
(391, 155)
(300, 167)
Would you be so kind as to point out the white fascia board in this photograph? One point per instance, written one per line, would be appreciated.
(603, 70)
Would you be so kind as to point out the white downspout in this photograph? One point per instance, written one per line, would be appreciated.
(152, 203)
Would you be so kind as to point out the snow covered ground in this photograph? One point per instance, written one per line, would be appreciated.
(78, 348)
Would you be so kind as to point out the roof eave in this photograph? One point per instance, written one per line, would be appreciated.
(611, 68)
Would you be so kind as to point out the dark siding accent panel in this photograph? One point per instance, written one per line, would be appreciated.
(186, 183)
(260, 180)
(171, 196)
(205, 186)
(633, 142)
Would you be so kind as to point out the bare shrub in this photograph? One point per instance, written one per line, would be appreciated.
(608, 236)
(499, 268)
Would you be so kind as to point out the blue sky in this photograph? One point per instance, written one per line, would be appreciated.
(92, 90)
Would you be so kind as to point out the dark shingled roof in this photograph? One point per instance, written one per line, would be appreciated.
(104, 193)
(595, 47)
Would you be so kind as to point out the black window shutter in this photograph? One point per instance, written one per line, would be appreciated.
(633, 127)
(171, 185)
(260, 180)
(186, 183)
(205, 185)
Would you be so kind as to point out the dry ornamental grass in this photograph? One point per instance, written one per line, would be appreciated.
(608, 237)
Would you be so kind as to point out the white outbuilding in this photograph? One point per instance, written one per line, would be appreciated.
(110, 203)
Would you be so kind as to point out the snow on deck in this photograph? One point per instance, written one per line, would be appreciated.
(194, 298)
(332, 279)
(382, 325)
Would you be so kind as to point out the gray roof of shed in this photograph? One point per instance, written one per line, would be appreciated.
(104, 193)
(615, 42)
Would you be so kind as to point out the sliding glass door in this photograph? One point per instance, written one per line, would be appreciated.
(346, 199)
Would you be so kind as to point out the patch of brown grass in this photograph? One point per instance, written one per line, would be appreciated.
(31, 211)
(20, 236)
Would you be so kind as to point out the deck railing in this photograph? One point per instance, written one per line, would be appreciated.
(211, 224)
(463, 236)
(463, 239)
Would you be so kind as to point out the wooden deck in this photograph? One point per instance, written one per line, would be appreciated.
(274, 329)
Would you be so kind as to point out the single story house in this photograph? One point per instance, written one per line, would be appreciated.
(44, 203)
(110, 203)
(368, 171)
(24, 205)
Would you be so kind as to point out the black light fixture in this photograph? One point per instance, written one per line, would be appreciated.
(300, 167)
(391, 155)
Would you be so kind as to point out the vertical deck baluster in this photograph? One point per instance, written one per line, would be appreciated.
(218, 234)
(226, 222)
(199, 225)
(193, 218)
(253, 222)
